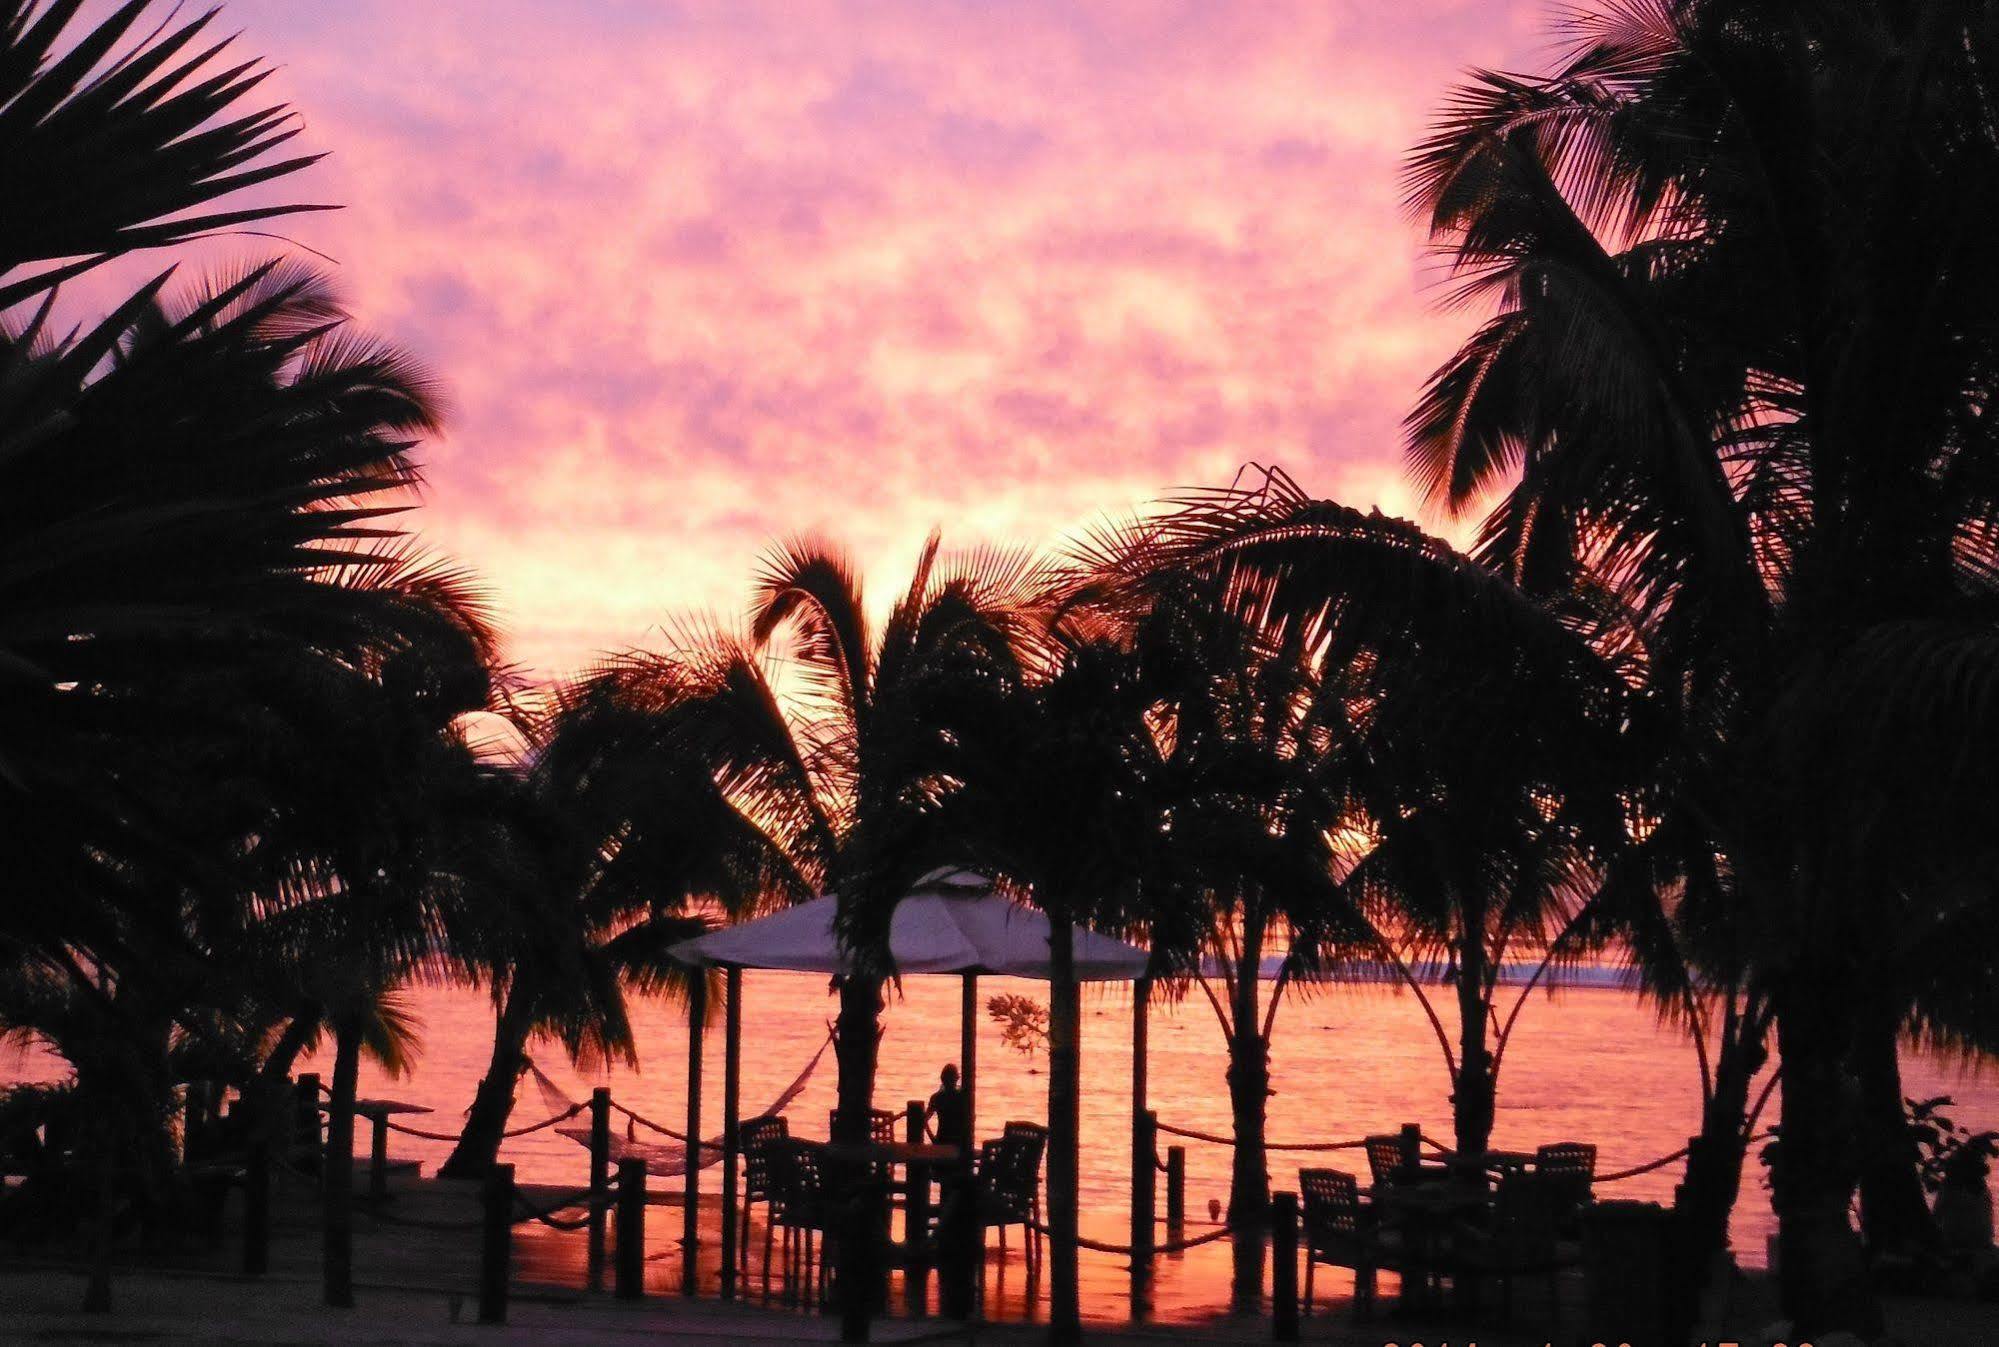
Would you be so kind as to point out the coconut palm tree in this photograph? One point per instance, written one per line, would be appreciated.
(1740, 365)
(619, 841)
(819, 727)
(1250, 719)
(1467, 743)
(1050, 786)
(190, 588)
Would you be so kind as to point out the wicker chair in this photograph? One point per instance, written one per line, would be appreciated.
(802, 1207)
(1388, 1161)
(1008, 1187)
(758, 1137)
(1034, 1137)
(1340, 1230)
(1570, 1169)
(881, 1125)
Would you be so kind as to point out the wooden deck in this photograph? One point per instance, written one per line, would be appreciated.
(415, 1274)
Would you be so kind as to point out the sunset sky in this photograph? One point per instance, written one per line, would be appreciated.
(700, 275)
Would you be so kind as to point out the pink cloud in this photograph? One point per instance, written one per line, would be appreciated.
(702, 275)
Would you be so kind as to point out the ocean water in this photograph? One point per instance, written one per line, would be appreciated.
(1586, 1063)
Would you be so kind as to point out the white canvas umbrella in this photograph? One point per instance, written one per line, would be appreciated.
(951, 921)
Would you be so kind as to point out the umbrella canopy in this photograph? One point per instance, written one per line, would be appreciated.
(950, 921)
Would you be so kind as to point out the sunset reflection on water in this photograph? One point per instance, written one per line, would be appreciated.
(1586, 1064)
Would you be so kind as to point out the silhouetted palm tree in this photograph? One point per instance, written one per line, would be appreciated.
(1050, 786)
(618, 839)
(1251, 720)
(821, 728)
(1472, 762)
(189, 487)
(1741, 365)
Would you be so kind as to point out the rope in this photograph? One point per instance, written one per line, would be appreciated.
(1636, 1170)
(550, 1121)
(419, 1132)
(681, 1137)
(1191, 1134)
(404, 1129)
(1665, 1160)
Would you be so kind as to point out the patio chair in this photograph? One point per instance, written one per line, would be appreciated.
(881, 1125)
(1570, 1168)
(1008, 1187)
(1391, 1160)
(1341, 1230)
(758, 1138)
(803, 1209)
(1519, 1240)
(1035, 1137)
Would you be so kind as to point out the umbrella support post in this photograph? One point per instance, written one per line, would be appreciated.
(968, 1054)
(690, 1230)
(1143, 1143)
(732, 1105)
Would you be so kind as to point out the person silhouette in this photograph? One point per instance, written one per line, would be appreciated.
(948, 1123)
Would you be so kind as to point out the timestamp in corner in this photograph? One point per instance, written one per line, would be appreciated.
(1447, 1342)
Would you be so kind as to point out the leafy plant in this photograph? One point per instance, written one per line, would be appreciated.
(1023, 1022)
(1951, 1156)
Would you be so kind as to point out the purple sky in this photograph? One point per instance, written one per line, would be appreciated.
(699, 276)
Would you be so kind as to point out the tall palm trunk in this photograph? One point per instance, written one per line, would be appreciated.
(1714, 1169)
(1249, 1095)
(337, 1174)
(1472, 1100)
(1894, 1217)
(1065, 1028)
(856, 1039)
(1822, 1274)
(493, 1102)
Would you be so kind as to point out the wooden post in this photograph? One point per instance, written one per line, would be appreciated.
(1144, 1191)
(257, 1209)
(916, 1216)
(1143, 1157)
(631, 1228)
(1176, 1194)
(1412, 1146)
(600, 1179)
(968, 1056)
(496, 1244)
(378, 1159)
(690, 1226)
(1284, 1267)
(732, 1104)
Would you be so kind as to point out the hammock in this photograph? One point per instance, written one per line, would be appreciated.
(662, 1159)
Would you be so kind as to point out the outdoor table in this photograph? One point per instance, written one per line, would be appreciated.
(1425, 1214)
(378, 1112)
(1477, 1164)
(919, 1159)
